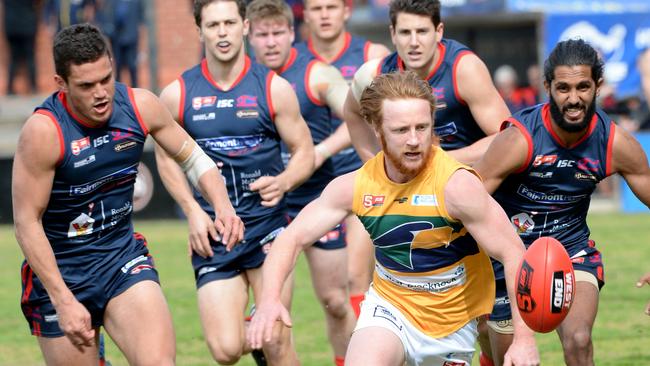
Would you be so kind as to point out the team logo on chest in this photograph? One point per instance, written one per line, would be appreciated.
(202, 102)
(80, 145)
(397, 242)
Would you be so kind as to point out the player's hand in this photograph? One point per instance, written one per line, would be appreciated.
(645, 279)
(200, 226)
(261, 326)
(270, 188)
(522, 352)
(231, 228)
(74, 320)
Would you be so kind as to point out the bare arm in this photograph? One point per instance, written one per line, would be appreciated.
(629, 160)
(32, 178)
(506, 154)
(484, 219)
(475, 87)
(377, 50)
(362, 134)
(172, 140)
(328, 84)
(294, 132)
(314, 221)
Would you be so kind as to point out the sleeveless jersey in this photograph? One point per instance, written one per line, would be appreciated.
(427, 265)
(454, 123)
(235, 128)
(88, 216)
(352, 56)
(550, 194)
(318, 117)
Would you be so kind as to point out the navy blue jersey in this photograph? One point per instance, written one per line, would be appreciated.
(550, 194)
(235, 128)
(454, 123)
(90, 206)
(352, 56)
(318, 117)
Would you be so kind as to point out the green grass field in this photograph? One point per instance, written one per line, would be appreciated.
(621, 334)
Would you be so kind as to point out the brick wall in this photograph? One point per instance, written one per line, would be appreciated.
(177, 44)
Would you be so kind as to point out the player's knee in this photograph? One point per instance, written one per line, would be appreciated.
(578, 341)
(337, 305)
(223, 353)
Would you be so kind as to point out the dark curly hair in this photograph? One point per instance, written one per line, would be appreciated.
(573, 52)
(78, 44)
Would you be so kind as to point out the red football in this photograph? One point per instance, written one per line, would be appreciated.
(545, 285)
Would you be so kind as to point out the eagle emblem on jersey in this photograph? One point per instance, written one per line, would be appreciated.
(396, 243)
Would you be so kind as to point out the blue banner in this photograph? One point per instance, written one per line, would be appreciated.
(619, 38)
(579, 6)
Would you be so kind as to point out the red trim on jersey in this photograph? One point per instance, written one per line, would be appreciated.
(292, 58)
(366, 50)
(546, 117)
(379, 65)
(181, 104)
(510, 121)
(269, 100)
(59, 132)
(311, 96)
(208, 76)
(453, 76)
(441, 51)
(77, 119)
(346, 45)
(143, 126)
(27, 276)
(610, 148)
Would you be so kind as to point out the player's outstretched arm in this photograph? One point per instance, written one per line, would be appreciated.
(645, 279)
(629, 160)
(294, 132)
(484, 219)
(362, 135)
(506, 154)
(475, 87)
(314, 221)
(199, 168)
(33, 173)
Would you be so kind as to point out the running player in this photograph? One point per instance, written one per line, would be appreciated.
(419, 206)
(239, 112)
(321, 89)
(468, 105)
(543, 168)
(72, 192)
(331, 43)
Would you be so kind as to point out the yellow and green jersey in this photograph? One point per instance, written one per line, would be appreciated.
(427, 265)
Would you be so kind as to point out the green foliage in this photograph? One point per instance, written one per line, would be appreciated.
(621, 332)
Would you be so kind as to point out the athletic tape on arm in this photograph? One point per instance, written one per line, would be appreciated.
(197, 163)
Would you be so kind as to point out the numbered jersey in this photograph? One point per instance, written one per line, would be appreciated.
(427, 265)
(235, 128)
(90, 206)
(352, 56)
(454, 123)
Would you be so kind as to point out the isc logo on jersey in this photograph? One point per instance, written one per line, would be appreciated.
(370, 200)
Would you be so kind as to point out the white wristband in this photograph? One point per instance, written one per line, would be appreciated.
(323, 151)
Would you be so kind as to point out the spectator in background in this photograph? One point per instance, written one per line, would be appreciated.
(122, 20)
(535, 83)
(506, 82)
(68, 12)
(20, 21)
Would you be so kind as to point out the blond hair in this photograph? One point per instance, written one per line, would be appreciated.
(269, 9)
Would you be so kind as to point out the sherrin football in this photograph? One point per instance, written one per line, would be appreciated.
(545, 285)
